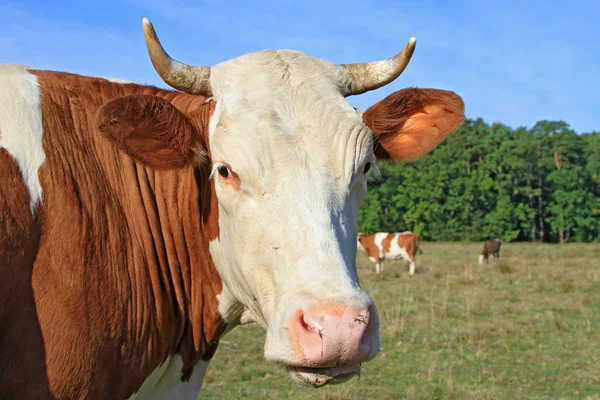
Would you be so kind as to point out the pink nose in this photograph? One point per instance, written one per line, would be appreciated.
(330, 336)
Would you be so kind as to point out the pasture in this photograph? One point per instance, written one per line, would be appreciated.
(527, 326)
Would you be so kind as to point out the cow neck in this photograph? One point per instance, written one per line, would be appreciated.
(187, 209)
(146, 232)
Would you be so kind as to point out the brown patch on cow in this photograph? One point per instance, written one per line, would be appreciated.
(368, 243)
(491, 247)
(411, 122)
(210, 205)
(20, 332)
(410, 243)
(114, 274)
(386, 243)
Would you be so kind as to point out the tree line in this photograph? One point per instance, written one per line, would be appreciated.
(538, 184)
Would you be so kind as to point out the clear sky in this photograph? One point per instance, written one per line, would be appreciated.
(512, 61)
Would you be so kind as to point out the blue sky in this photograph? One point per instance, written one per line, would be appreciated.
(516, 62)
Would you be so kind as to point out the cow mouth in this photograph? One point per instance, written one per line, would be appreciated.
(318, 377)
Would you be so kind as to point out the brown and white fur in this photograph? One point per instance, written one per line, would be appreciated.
(383, 246)
(138, 224)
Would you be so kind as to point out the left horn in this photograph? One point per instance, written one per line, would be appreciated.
(187, 78)
(373, 75)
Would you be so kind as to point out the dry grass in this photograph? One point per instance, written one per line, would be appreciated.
(524, 327)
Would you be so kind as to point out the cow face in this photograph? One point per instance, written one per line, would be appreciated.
(288, 157)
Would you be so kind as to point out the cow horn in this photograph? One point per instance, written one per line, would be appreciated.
(187, 78)
(373, 75)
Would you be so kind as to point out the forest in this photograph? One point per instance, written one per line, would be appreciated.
(490, 180)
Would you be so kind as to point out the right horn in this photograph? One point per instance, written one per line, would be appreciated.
(187, 78)
(373, 75)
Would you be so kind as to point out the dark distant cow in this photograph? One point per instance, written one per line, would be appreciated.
(490, 248)
(137, 223)
(390, 246)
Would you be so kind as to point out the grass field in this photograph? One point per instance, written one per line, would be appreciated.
(525, 327)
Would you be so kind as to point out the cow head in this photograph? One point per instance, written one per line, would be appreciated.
(288, 156)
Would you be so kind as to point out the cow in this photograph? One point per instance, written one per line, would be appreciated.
(491, 247)
(383, 246)
(139, 224)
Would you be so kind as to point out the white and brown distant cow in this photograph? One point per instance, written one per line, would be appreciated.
(490, 248)
(136, 223)
(383, 246)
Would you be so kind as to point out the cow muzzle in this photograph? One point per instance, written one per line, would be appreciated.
(328, 343)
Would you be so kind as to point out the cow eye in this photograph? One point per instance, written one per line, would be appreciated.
(223, 171)
(367, 167)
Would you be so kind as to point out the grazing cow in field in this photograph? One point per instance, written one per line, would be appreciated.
(490, 248)
(139, 224)
(390, 246)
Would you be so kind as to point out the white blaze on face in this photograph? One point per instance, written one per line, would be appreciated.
(21, 128)
(288, 230)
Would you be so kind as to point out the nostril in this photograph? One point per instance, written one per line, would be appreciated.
(362, 318)
(305, 323)
(311, 322)
(369, 325)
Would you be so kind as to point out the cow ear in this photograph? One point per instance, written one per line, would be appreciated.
(411, 122)
(152, 131)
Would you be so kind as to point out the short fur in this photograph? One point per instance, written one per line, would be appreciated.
(490, 248)
(390, 246)
(152, 131)
(131, 254)
(424, 116)
(111, 272)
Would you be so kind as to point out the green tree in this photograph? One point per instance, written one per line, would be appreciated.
(487, 180)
